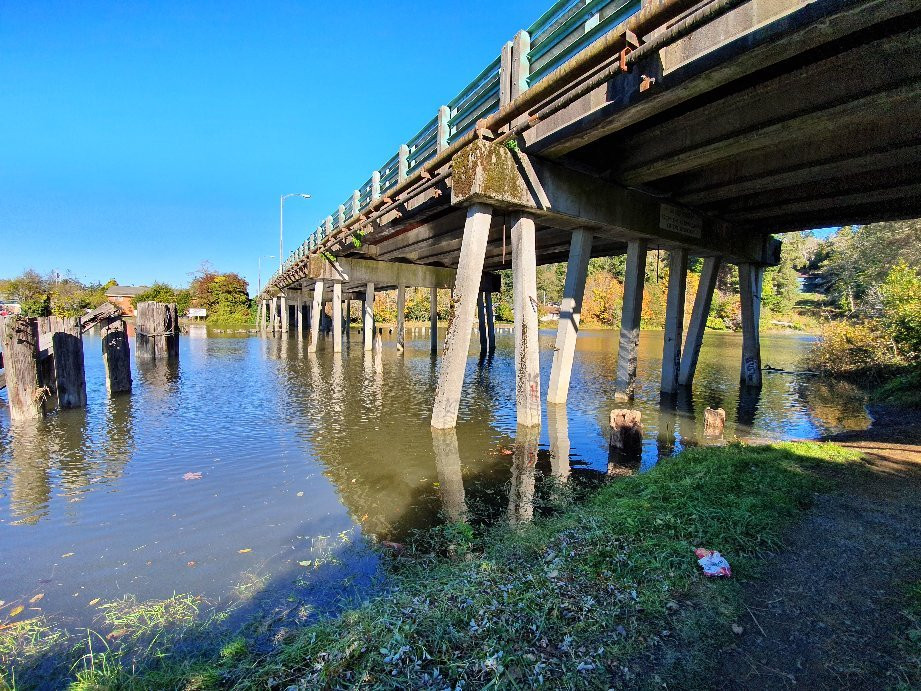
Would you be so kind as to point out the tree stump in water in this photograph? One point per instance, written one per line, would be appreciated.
(157, 328)
(714, 421)
(626, 431)
(116, 354)
(19, 339)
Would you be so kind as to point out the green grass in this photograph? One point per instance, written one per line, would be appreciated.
(606, 592)
(902, 389)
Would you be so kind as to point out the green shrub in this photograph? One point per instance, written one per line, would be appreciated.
(901, 293)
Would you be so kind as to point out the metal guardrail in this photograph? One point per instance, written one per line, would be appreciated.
(564, 30)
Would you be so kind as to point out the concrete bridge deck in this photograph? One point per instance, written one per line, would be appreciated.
(613, 127)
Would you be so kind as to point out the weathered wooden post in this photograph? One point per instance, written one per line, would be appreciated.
(626, 430)
(157, 329)
(714, 422)
(20, 359)
(45, 358)
(116, 355)
(67, 343)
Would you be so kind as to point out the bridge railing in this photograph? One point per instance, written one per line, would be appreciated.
(565, 29)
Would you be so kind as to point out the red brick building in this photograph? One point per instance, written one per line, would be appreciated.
(121, 296)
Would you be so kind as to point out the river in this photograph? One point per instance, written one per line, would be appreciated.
(303, 458)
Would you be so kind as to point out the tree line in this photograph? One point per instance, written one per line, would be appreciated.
(224, 294)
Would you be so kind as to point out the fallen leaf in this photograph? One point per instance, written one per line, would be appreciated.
(117, 634)
(737, 630)
(94, 601)
(16, 610)
(190, 564)
(395, 546)
(300, 494)
(506, 452)
(304, 563)
(36, 598)
(69, 554)
(244, 551)
(192, 476)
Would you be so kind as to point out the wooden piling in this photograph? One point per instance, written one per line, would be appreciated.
(157, 329)
(19, 338)
(116, 355)
(714, 421)
(626, 430)
(70, 374)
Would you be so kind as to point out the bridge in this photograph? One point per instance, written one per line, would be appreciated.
(614, 127)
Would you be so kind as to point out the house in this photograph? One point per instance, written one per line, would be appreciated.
(121, 296)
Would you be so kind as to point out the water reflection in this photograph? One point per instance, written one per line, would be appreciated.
(524, 468)
(450, 477)
(558, 431)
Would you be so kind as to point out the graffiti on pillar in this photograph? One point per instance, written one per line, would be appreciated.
(750, 368)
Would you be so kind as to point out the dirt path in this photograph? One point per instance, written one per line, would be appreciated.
(827, 612)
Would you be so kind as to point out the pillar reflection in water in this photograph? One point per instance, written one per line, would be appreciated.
(747, 409)
(524, 470)
(450, 478)
(31, 448)
(558, 431)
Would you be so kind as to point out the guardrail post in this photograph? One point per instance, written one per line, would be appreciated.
(356, 202)
(328, 226)
(403, 163)
(341, 215)
(521, 65)
(375, 185)
(444, 130)
(505, 75)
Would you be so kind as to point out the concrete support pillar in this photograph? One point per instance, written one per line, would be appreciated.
(490, 323)
(367, 317)
(630, 320)
(674, 319)
(337, 317)
(284, 311)
(275, 325)
(433, 318)
(698, 323)
(347, 326)
(527, 359)
(580, 251)
(457, 340)
(750, 279)
(401, 318)
(299, 312)
(481, 323)
(316, 310)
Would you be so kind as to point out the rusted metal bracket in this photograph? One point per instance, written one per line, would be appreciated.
(646, 82)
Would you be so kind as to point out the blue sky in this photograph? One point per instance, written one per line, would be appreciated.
(139, 139)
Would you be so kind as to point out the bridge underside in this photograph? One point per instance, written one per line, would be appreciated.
(767, 116)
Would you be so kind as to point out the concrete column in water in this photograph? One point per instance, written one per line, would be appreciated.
(490, 322)
(275, 313)
(674, 318)
(367, 317)
(433, 318)
(299, 312)
(347, 325)
(481, 322)
(580, 251)
(698, 323)
(750, 279)
(284, 311)
(625, 382)
(316, 309)
(401, 317)
(457, 340)
(527, 358)
(337, 317)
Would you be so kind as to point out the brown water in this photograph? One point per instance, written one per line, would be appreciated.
(303, 457)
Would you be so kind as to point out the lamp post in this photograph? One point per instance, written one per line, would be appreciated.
(259, 262)
(281, 225)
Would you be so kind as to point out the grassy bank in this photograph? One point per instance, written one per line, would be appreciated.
(605, 592)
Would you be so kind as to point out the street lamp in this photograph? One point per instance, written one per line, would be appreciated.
(281, 225)
(259, 262)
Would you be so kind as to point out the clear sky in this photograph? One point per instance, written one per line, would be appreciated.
(138, 139)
